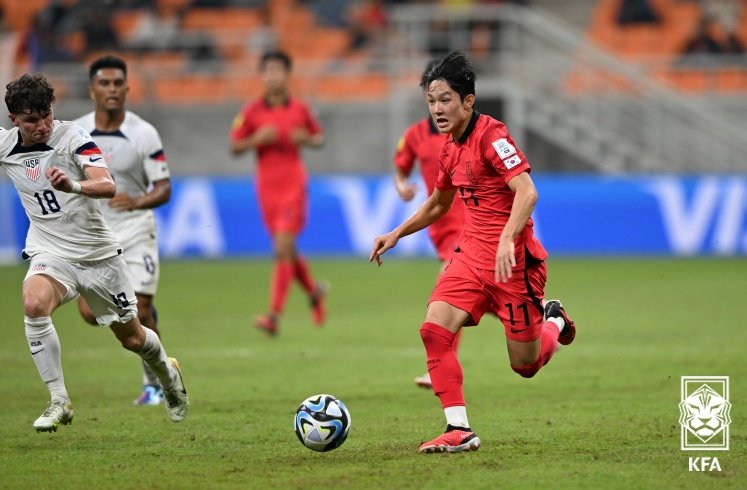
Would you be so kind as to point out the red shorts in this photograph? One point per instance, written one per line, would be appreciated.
(284, 214)
(518, 303)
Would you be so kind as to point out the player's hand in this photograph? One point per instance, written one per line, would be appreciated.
(407, 190)
(505, 259)
(122, 202)
(300, 136)
(265, 135)
(382, 244)
(59, 179)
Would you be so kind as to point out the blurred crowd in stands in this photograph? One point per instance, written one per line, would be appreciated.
(194, 49)
(71, 30)
(716, 31)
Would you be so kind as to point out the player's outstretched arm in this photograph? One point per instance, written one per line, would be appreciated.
(98, 184)
(159, 194)
(433, 208)
(525, 197)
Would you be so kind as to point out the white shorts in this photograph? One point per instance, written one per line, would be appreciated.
(105, 285)
(142, 263)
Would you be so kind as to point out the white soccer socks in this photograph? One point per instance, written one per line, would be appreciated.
(155, 357)
(47, 354)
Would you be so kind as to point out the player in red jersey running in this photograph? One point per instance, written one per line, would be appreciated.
(422, 142)
(498, 267)
(276, 126)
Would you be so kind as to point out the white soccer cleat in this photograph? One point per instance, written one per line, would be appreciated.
(177, 401)
(424, 381)
(57, 412)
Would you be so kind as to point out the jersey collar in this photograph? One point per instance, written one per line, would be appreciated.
(285, 103)
(470, 127)
(116, 132)
(19, 148)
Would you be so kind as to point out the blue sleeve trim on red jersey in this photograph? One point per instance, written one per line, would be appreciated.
(89, 148)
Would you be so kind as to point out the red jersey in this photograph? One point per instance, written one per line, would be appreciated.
(479, 165)
(279, 163)
(423, 142)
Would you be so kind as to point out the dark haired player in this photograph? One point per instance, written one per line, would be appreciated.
(134, 154)
(498, 267)
(422, 143)
(276, 126)
(59, 173)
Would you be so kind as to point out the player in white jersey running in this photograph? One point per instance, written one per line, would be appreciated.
(57, 169)
(134, 154)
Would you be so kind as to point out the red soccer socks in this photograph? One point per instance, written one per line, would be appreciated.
(303, 275)
(282, 275)
(443, 364)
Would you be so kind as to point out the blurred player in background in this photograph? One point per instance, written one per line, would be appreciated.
(134, 154)
(276, 126)
(422, 142)
(499, 266)
(59, 172)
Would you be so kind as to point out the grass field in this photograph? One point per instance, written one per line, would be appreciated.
(603, 414)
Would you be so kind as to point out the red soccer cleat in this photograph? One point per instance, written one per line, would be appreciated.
(454, 440)
(267, 323)
(318, 310)
(554, 309)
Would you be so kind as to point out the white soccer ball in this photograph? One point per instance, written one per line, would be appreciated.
(322, 422)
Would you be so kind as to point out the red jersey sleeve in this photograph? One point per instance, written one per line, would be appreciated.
(404, 157)
(310, 121)
(499, 149)
(443, 181)
(242, 124)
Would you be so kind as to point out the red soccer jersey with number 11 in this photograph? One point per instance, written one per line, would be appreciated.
(480, 165)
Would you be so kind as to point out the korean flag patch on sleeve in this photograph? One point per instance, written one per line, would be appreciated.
(512, 162)
(504, 148)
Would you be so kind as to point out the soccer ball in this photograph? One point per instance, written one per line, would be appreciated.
(322, 422)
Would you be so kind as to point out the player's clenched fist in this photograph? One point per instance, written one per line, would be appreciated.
(265, 135)
(59, 179)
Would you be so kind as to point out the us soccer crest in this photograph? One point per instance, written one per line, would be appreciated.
(704, 413)
(33, 168)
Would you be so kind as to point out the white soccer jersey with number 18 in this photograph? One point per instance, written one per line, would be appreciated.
(135, 157)
(69, 226)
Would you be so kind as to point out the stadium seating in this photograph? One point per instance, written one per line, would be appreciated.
(228, 31)
(658, 45)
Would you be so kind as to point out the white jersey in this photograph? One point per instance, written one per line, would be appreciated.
(135, 157)
(66, 225)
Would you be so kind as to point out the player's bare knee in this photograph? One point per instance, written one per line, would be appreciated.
(284, 255)
(133, 342)
(34, 307)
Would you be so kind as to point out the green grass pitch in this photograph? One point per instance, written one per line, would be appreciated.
(603, 414)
